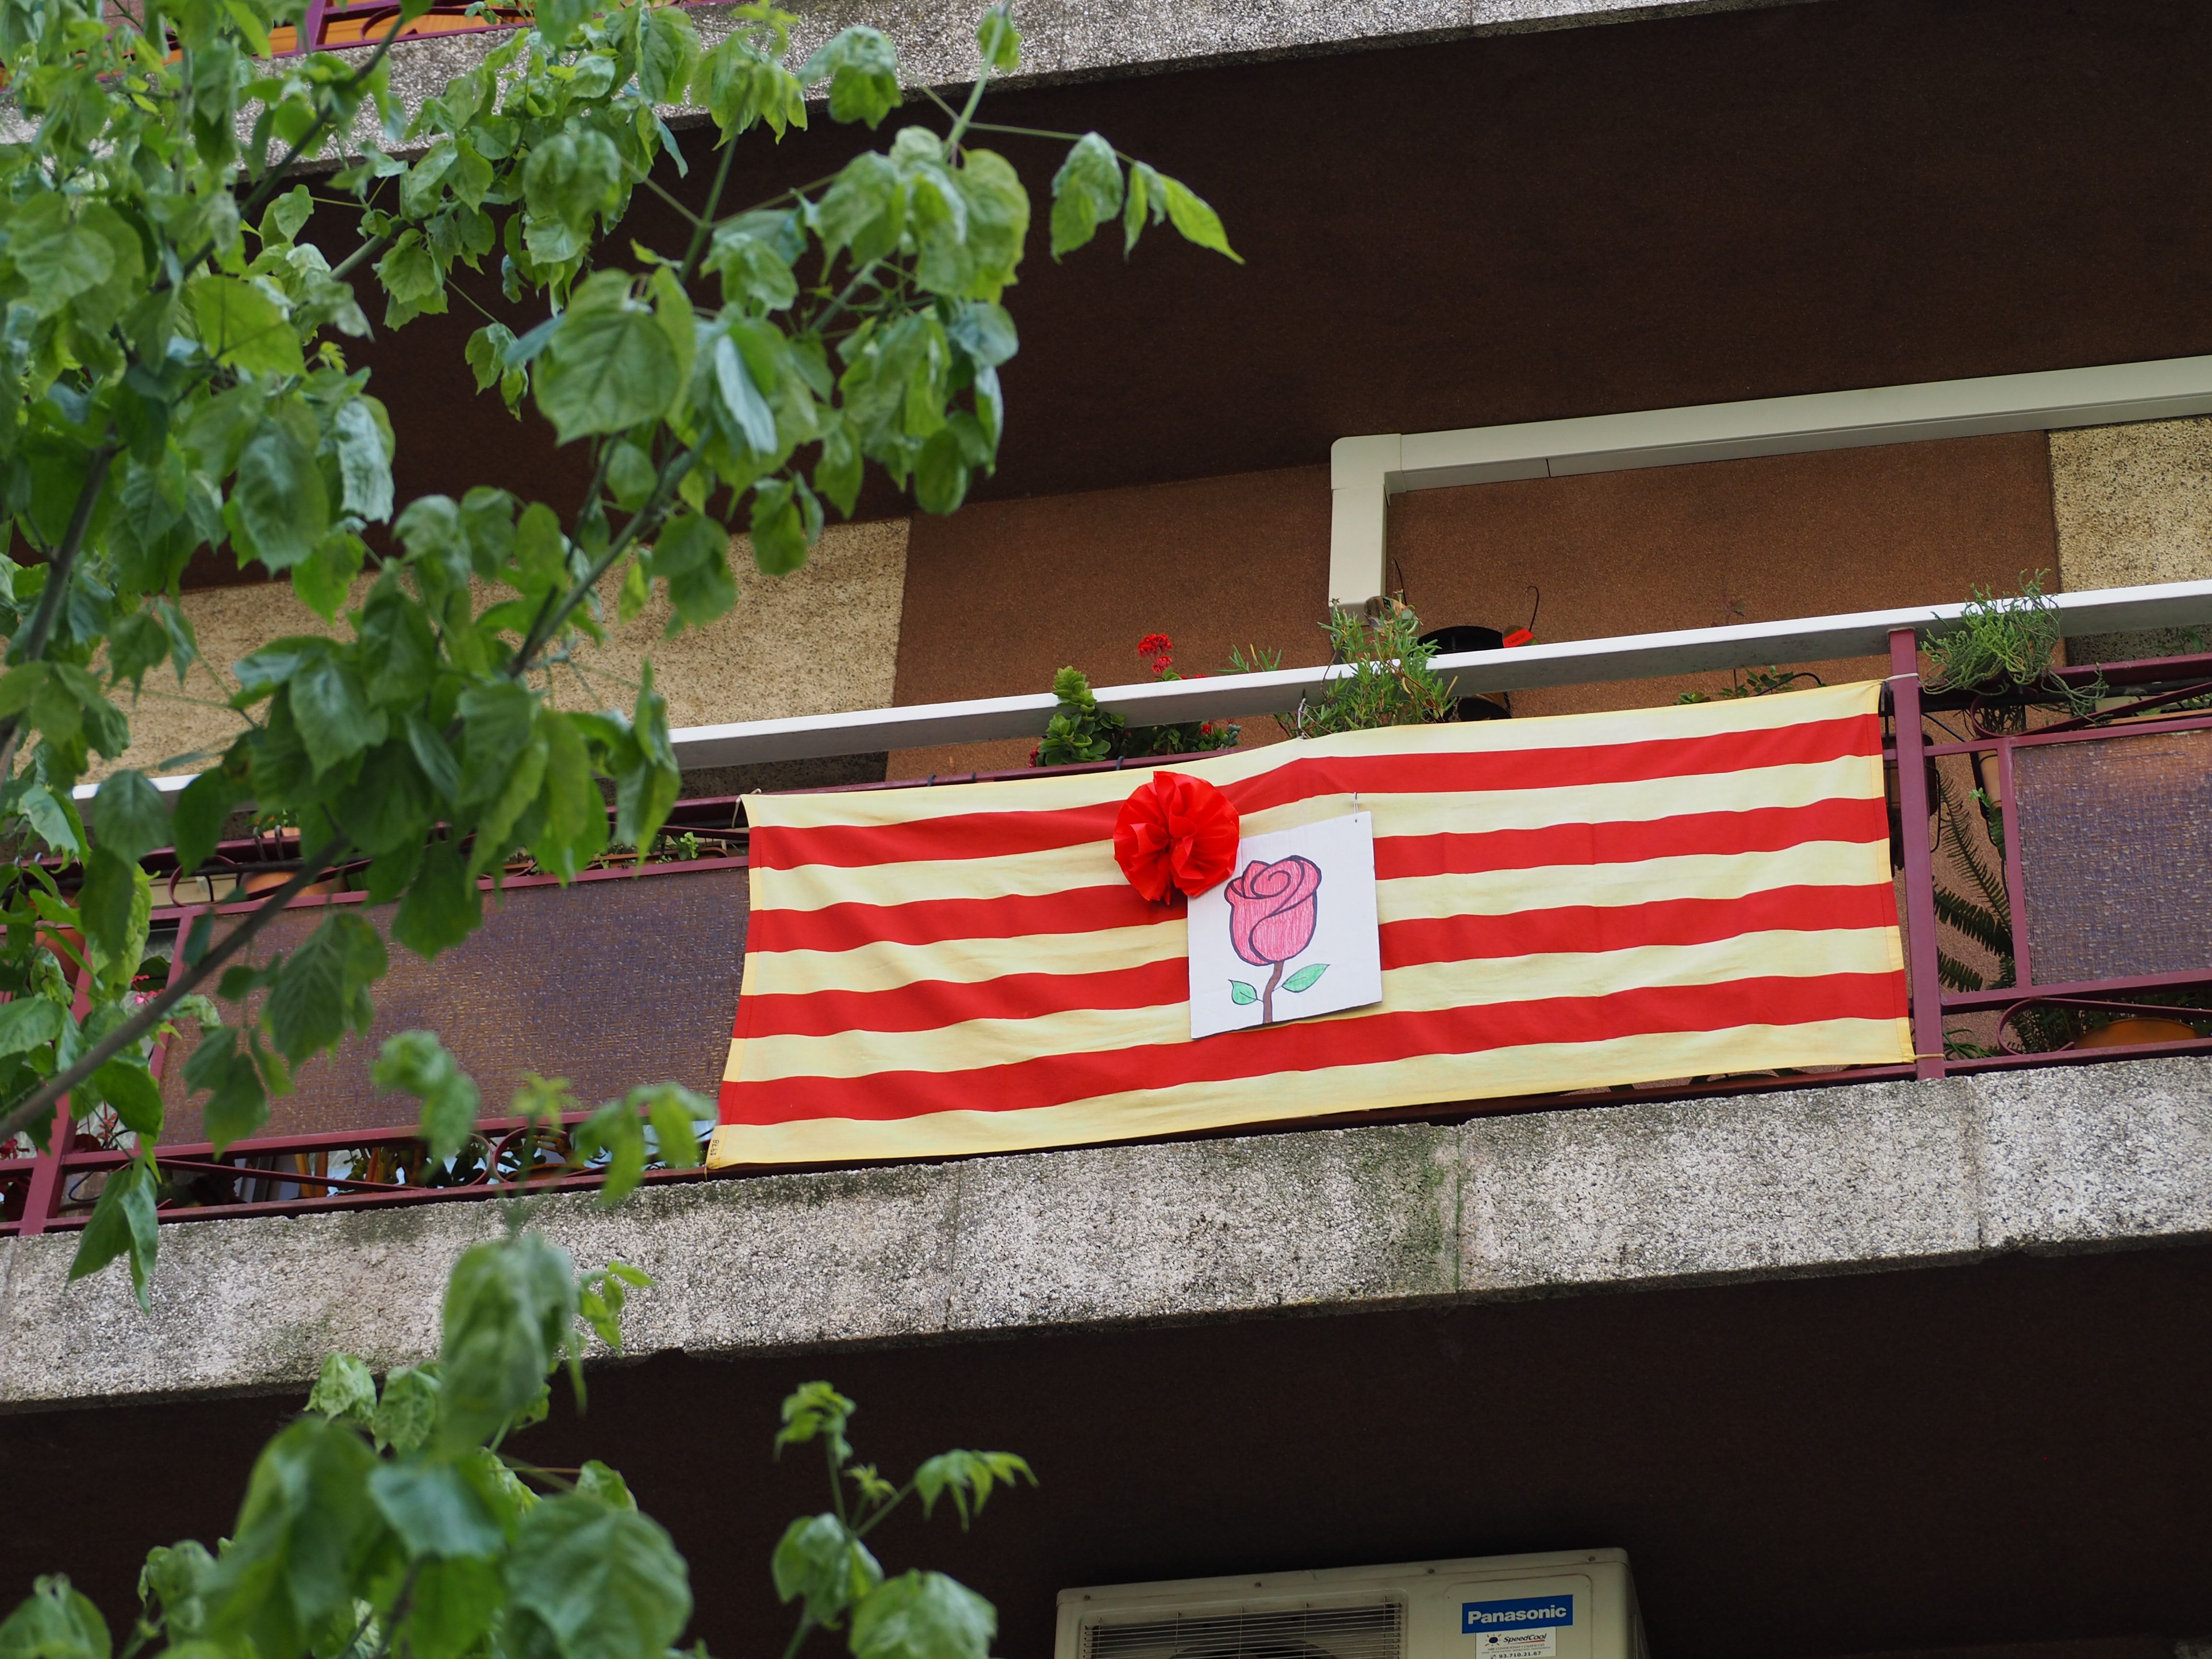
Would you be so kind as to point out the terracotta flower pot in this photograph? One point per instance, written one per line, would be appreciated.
(2133, 1029)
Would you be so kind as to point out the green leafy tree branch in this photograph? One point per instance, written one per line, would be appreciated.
(394, 1517)
(173, 379)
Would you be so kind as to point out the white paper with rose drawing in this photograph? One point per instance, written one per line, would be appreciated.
(1307, 947)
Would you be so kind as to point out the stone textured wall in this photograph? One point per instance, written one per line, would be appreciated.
(1853, 1178)
(2133, 505)
(820, 641)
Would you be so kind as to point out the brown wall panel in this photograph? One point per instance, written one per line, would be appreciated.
(1727, 542)
(610, 983)
(1527, 226)
(1002, 595)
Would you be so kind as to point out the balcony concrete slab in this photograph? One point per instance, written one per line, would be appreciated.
(1088, 40)
(1852, 1179)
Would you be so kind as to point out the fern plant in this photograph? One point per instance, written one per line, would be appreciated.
(1983, 917)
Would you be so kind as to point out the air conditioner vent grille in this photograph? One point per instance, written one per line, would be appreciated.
(1376, 1630)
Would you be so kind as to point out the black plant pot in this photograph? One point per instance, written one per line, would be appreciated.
(1450, 642)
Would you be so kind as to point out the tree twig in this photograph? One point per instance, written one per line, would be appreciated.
(59, 568)
(144, 1020)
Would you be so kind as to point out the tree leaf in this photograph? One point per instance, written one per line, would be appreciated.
(409, 1410)
(606, 1583)
(614, 1130)
(692, 555)
(364, 462)
(434, 1511)
(331, 709)
(454, 1603)
(416, 1063)
(1001, 43)
(741, 402)
(129, 815)
(238, 1102)
(29, 1023)
(56, 1622)
(923, 1615)
(279, 496)
(124, 1224)
(117, 904)
(203, 808)
(242, 327)
(305, 1532)
(1086, 192)
(345, 1392)
(128, 1087)
(573, 816)
(968, 1477)
(676, 1114)
(442, 907)
(322, 990)
(1241, 994)
(510, 1305)
(607, 368)
(818, 1557)
(1305, 976)
(1197, 222)
(58, 257)
(861, 65)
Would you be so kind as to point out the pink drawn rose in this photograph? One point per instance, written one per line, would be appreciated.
(1272, 909)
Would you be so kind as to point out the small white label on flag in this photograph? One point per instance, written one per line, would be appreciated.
(1292, 934)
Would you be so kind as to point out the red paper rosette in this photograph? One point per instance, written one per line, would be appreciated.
(1176, 833)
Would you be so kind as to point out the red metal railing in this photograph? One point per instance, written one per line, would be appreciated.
(2125, 917)
(336, 1146)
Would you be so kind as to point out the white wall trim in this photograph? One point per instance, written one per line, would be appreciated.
(1571, 662)
(1365, 472)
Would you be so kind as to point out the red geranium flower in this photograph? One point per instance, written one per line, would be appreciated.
(1153, 644)
(1175, 833)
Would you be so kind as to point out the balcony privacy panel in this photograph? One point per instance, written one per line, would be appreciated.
(607, 983)
(2116, 855)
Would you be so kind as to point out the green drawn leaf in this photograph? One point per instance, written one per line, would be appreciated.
(1241, 994)
(1304, 977)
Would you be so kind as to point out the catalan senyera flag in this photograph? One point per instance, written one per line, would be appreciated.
(1563, 904)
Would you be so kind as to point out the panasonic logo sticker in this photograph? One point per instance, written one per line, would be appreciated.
(1523, 1612)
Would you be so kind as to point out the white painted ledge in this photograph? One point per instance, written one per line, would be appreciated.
(1365, 472)
(1571, 662)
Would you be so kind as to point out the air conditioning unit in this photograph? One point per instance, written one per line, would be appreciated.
(1577, 1604)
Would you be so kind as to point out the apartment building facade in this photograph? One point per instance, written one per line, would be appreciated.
(1643, 322)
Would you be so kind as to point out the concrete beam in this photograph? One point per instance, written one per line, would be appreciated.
(1851, 1179)
(1092, 39)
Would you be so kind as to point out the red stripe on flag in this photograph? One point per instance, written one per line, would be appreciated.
(931, 1004)
(1762, 830)
(1058, 1079)
(932, 922)
(1004, 834)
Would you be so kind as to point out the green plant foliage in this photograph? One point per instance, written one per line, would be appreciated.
(1391, 683)
(398, 1519)
(2009, 642)
(1081, 731)
(1753, 683)
(177, 308)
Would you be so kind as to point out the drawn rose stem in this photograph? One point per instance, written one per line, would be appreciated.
(1267, 996)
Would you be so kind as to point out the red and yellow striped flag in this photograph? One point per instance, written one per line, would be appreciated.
(1565, 904)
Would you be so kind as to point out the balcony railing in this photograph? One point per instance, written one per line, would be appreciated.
(2101, 829)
